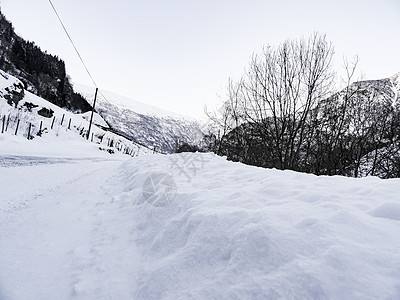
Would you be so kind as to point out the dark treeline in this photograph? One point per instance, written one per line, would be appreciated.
(42, 74)
(283, 114)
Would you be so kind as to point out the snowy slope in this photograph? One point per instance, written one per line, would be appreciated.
(9, 84)
(240, 232)
(395, 79)
(206, 229)
(59, 129)
(143, 123)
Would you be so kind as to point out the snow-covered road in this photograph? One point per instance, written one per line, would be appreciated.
(8, 161)
(15, 160)
(55, 239)
(21, 160)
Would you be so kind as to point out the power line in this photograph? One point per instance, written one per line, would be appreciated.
(82, 61)
(70, 39)
(76, 50)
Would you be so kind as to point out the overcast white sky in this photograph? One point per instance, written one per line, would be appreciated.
(179, 54)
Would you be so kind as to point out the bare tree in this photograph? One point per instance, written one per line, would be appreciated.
(278, 93)
(331, 121)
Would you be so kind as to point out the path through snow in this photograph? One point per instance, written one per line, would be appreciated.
(58, 235)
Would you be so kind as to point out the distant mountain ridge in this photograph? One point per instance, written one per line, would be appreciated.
(386, 89)
(147, 125)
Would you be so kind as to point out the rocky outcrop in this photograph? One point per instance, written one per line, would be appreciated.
(11, 89)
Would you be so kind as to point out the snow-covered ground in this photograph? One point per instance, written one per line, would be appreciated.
(59, 132)
(190, 226)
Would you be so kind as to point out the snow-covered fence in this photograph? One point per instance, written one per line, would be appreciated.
(26, 124)
(3, 126)
(16, 128)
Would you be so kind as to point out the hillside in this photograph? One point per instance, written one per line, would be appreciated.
(46, 127)
(145, 124)
(369, 124)
(41, 73)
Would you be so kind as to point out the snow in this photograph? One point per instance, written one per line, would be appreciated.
(396, 88)
(51, 229)
(83, 229)
(68, 130)
(80, 223)
(388, 210)
(7, 81)
(240, 232)
(97, 119)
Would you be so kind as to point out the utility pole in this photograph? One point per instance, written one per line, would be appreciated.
(91, 116)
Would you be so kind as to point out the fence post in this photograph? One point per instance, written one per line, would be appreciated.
(16, 129)
(52, 123)
(29, 131)
(62, 119)
(4, 120)
(69, 124)
(41, 123)
(8, 121)
(92, 138)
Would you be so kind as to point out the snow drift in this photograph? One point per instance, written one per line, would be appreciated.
(223, 231)
(240, 232)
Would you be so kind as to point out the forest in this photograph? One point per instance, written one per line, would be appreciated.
(42, 74)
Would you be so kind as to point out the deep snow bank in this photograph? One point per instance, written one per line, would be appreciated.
(239, 232)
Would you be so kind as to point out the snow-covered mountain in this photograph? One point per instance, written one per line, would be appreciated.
(371, 123)
(385, 90)
(145, 124)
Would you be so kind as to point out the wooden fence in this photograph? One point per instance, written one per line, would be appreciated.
(18, 124)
